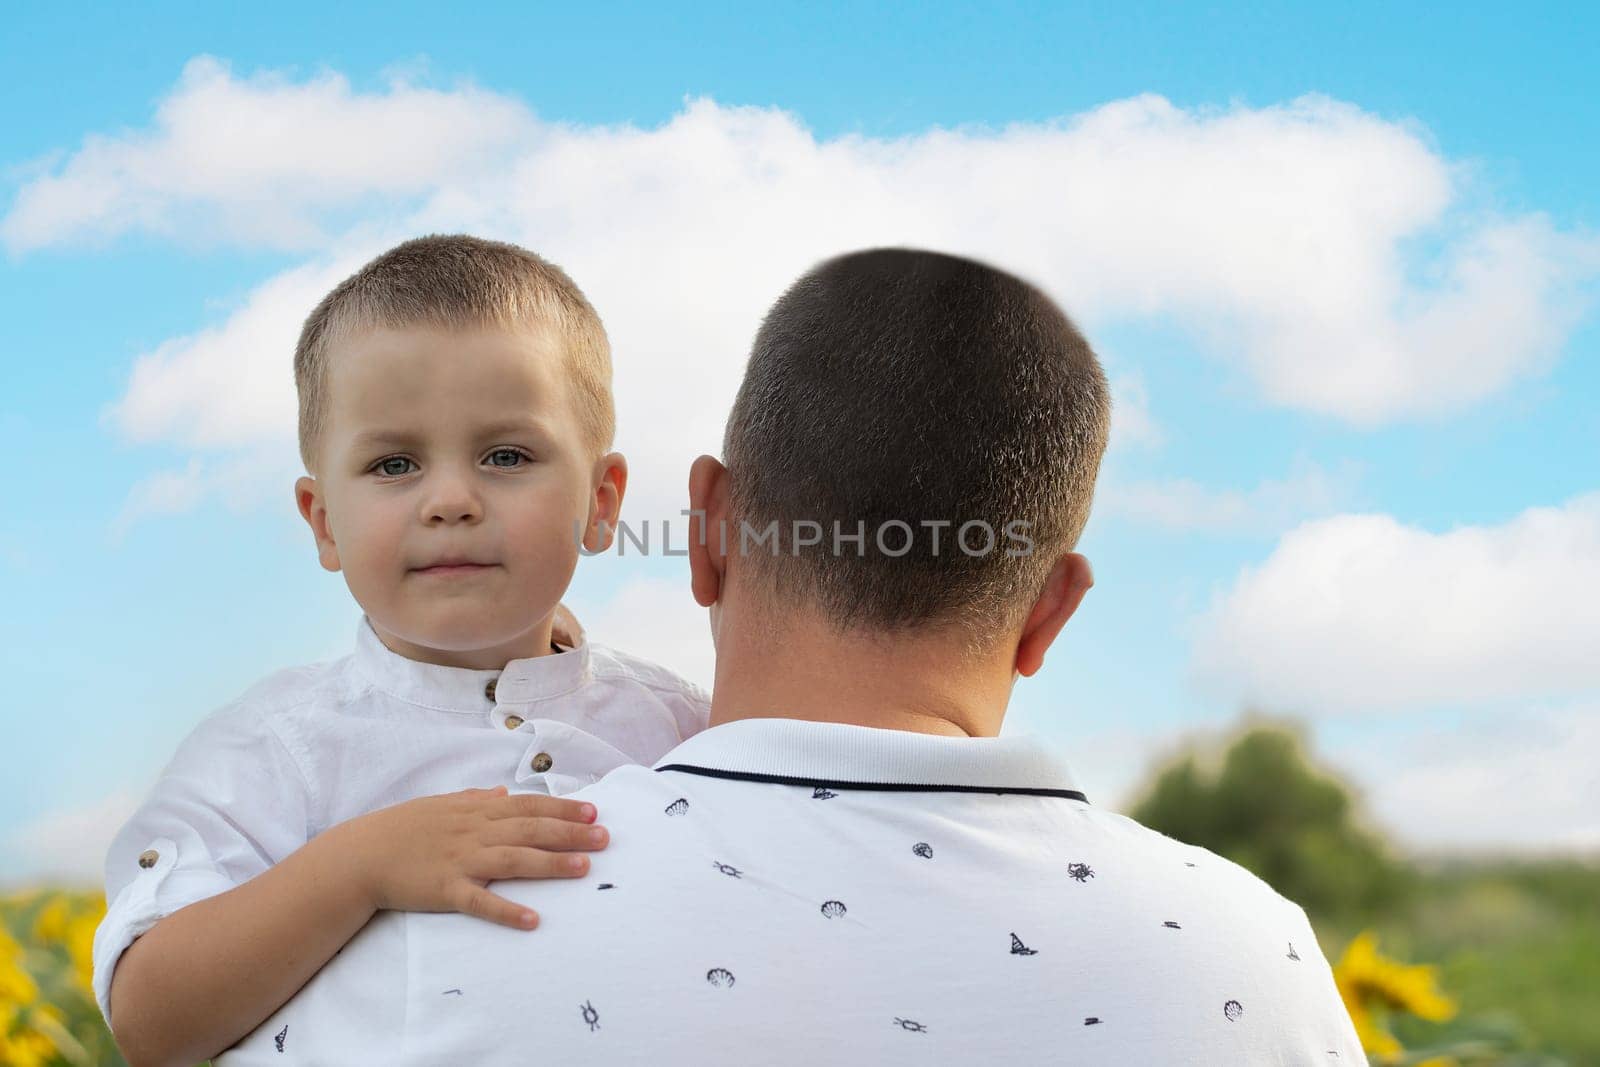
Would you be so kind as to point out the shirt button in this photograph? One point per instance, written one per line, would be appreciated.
(148, 858)
(488, 690)
(542, 762)
(513, 721)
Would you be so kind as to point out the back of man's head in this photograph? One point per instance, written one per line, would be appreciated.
(947, 411)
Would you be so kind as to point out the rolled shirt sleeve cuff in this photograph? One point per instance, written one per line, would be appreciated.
(157, 891)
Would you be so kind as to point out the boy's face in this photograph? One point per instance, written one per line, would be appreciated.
(445, 445)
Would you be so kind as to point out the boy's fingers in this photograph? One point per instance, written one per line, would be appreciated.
(477, 901)
(509, 861)
(529, 805)
(545, 833)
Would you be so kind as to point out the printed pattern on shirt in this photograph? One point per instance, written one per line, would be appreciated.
(1039, 930)
(1077, 872)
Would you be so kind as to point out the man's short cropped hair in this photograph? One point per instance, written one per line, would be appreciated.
(457, 282)
(895, 385)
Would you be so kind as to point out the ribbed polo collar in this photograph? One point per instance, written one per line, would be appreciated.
(841, 756)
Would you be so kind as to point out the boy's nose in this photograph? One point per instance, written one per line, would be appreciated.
(457, 505)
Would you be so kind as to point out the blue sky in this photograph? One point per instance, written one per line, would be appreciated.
(1352, 336)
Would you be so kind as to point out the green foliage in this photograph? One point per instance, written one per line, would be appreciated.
(1517, 942)
(1268, 810)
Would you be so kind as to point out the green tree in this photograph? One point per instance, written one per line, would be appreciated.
(1269, 810)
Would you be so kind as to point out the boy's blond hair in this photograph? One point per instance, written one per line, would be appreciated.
(456, 282)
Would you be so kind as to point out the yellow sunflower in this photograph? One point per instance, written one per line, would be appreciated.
(1368, 980)
(79, 939)
(24, 1046)
(17, 986)
(50, 925)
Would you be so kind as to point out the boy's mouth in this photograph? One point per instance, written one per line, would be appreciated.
(453, 565)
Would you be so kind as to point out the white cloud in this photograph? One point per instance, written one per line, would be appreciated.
(1519, 780)
(1360, 613)
(1508, 780)
(230, 385)
(1285, 237)
(161, 493)
(1274, 504)
(244, 481)
(1133, 424)
(260, 160)
(69, 846)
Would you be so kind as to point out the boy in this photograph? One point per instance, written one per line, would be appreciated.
(455, 418)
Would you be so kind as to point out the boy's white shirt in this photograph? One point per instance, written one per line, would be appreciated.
(312, 746)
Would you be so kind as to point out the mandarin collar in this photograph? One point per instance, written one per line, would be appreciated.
(842, 755)
(462, 689)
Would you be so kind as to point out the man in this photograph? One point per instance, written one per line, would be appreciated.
(850, 866)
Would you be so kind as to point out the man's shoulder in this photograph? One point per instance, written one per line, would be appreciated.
(631, 784)
(637, 803)
(1211, 875)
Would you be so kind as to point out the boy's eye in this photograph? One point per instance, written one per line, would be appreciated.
(513, 452)
(386, 466)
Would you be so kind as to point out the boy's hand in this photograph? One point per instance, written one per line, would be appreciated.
(436, 853)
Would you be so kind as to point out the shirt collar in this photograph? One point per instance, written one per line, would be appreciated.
(461, 689)
(827, 755)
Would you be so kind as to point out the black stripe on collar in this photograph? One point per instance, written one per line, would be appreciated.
(880, 787)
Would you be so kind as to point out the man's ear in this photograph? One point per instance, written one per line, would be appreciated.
(1063, 591)
(308, 498)
(708, 550)
(605, 508)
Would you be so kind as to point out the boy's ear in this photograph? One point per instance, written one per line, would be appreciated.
(708, 512)
(1063, 591)
(308, 498)
(610, 483)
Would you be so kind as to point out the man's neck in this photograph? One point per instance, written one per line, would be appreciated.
(809, 670)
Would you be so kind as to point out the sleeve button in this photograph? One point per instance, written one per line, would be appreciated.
(542, 762)
(488, 689)
(148, 858)
(513, 721)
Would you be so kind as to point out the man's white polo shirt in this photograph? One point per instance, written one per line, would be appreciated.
(310, 747)
(787, 892)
